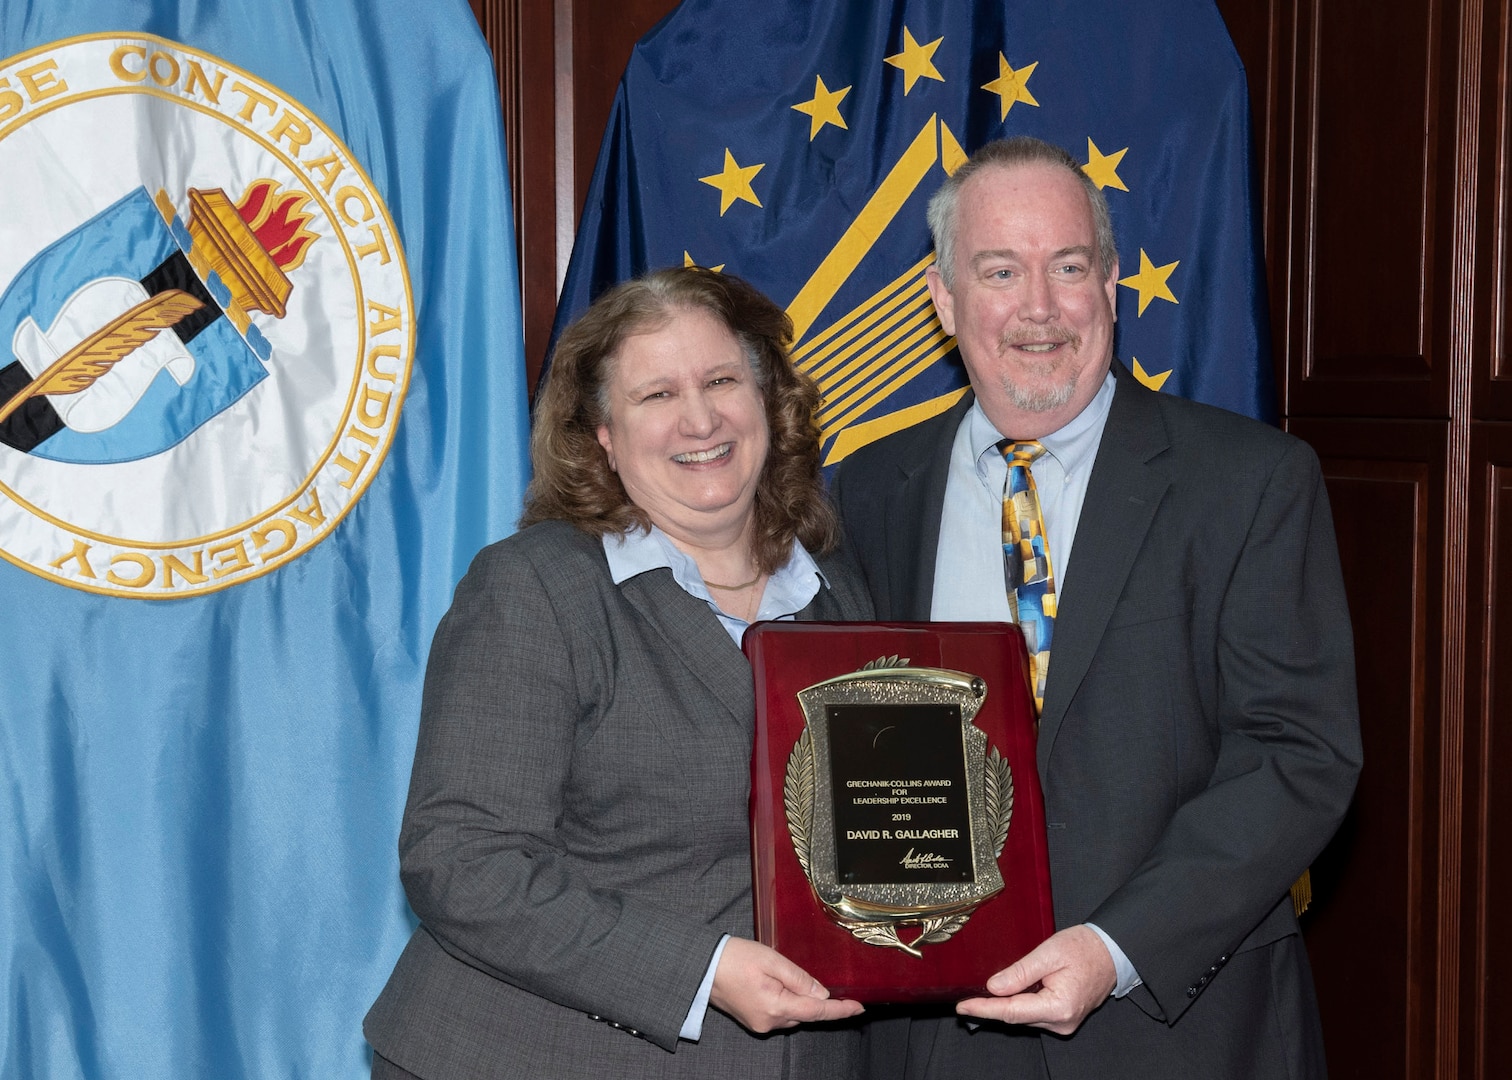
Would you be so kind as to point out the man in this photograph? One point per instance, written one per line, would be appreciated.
(1198, 738)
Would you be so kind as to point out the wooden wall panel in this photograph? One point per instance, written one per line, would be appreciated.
(1492, 363)
(1388, 168)
(1370, 207)
(1371, 284)
(603, 34)
(1375, 886)
(559, 63)
(521, 33)
(1487, 992)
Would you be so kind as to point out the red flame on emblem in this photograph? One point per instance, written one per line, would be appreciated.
(278, 222)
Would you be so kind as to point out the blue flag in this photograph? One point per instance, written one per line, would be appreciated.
(261, 400)
(796, 144)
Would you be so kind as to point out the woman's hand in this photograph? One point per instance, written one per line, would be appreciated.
(764, 990)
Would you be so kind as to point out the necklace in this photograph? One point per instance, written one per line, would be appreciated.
(733, 588)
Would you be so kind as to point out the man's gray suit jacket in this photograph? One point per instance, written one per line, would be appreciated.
(577, 833)
(1199, 740)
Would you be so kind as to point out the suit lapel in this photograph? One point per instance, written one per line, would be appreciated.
(913, 531)
(693, 634)
(824, 607)
(1122, 497)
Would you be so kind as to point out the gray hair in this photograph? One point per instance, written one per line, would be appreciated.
(1007, 153)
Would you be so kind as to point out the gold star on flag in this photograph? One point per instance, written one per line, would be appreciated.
(1102, 169)
(1155, 381)
(1012, 86)
(733, 183)
(689, 261)
(824, 107)
(1151, 281)
(916, 61)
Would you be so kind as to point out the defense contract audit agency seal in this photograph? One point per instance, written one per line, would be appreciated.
(206, 327)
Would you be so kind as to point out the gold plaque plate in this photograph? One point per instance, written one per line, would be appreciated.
(889, 760)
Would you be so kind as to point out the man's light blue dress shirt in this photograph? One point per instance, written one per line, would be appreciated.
(969, 582)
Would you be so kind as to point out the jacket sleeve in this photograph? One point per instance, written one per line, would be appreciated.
(1287, 754)
(510, 688)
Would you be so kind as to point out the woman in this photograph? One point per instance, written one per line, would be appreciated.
(576, 842)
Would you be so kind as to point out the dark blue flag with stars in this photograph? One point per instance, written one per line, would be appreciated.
(797, 143)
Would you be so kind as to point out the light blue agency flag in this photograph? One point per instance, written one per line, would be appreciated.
(797, 143)
(260, 403)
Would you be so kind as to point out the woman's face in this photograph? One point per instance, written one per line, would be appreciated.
(687, 429)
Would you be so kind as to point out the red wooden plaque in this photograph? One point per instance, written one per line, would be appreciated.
(788, 657)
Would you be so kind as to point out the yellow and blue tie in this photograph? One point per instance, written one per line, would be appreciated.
(1026, 560)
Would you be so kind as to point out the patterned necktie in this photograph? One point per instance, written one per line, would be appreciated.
(1026, 560)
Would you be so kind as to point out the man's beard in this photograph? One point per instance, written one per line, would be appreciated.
(1039, 399)
(1042, 398)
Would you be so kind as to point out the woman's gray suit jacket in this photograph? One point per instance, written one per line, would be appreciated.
(576, 838)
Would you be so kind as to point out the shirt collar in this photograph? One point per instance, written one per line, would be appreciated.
(1072, 445)
(789, 590)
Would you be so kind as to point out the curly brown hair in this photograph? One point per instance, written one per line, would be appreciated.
(573, 481)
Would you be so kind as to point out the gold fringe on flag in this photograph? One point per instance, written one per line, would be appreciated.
(1301, 892)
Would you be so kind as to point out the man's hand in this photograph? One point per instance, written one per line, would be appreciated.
(1075, 974)
(764, 990)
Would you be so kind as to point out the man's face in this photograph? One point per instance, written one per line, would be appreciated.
(1030, 308)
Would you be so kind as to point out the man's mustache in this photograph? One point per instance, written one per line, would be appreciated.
(1057, 334)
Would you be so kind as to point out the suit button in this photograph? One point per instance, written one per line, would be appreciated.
(632, 1031)
(1191, 991)
(596, 1016)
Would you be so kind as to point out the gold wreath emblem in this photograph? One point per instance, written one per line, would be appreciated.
(860, 918)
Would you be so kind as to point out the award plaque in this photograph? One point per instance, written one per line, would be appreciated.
(898, 835)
